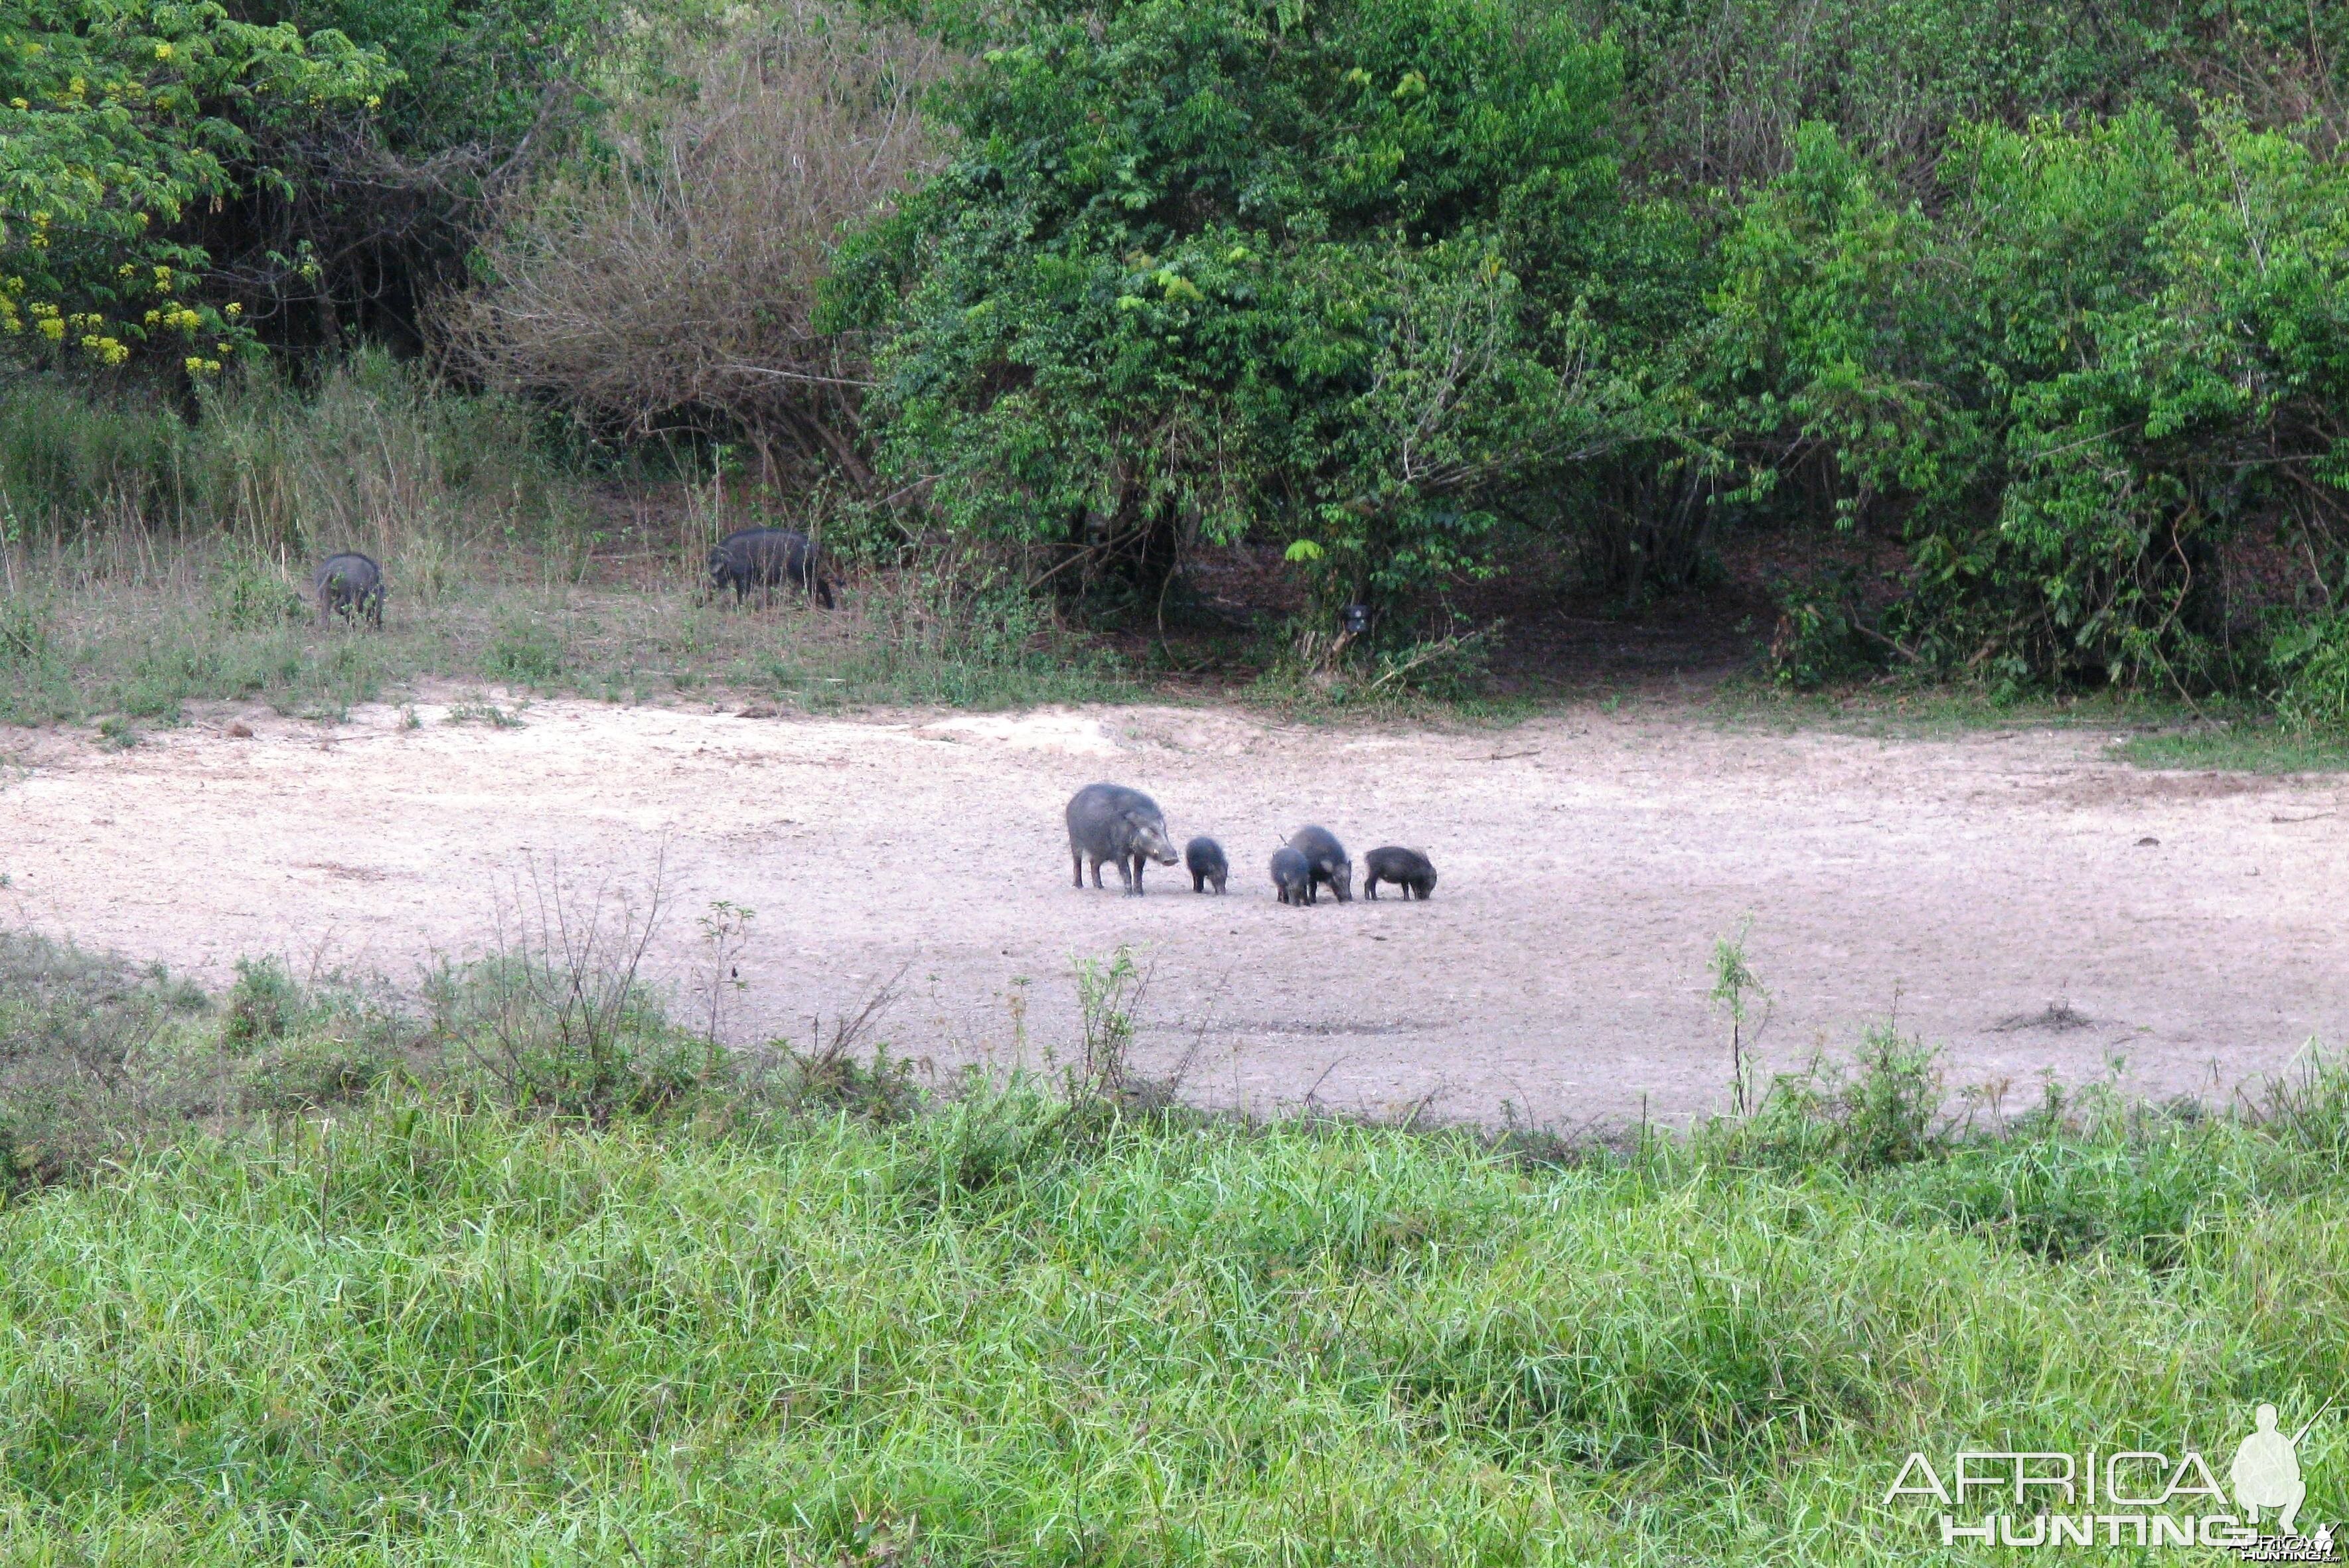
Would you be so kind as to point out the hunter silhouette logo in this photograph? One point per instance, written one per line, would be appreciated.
(2266, 1472)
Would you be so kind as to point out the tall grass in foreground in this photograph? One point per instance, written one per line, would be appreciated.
(443, 1323)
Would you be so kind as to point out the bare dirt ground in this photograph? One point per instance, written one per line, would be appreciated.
(1589, 863)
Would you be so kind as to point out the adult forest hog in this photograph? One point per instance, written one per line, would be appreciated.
(349, 585)
(1112, 822)
(763, 558)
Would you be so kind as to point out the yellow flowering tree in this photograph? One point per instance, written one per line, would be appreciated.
(118, 121)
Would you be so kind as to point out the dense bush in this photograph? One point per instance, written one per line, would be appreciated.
(1201, 270)
(116, 124)
(2116, 350)
(2047, 299)
(673, 284)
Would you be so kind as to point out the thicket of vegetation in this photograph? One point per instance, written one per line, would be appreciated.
(535, 1276)
(2048, 304)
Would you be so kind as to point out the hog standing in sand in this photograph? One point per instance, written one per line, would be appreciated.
(1112, 822)
(1407, 869)
(1292, 877)
(1203, 859)
(1327, 856)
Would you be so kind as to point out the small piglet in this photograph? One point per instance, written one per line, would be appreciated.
(1204, 858)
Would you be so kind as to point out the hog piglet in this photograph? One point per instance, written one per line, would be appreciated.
(1204, 858)
(1292, 877)
(1407, 869)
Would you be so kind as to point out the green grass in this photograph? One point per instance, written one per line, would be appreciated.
(1015, 1328)
(2247, 746)
(2146, 731)
(135, 657)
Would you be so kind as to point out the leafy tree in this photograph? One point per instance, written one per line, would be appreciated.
(1204, 268)
(2115, 349)
(118, 120)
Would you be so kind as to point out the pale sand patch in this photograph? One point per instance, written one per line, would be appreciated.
(1588, 863)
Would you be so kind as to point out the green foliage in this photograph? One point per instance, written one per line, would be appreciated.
(2113, 351)
(116, 122)
(2314, 659)
(262, 1005)
(1208, 268)
(1820, 635)
(424, 1330)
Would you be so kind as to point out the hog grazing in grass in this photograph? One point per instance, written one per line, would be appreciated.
(1327, 856)
(1203, 859)
(761, 558)
(349, 585)
(1112, 822)
(1292, 877)
(1407, 869)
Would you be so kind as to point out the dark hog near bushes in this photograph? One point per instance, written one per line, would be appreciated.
(349, 585)
(765, 559)
(1112, 822)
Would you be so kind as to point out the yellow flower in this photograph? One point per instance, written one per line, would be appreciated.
(18, 104)
(162, 51)
(234, 310)
(53, 329)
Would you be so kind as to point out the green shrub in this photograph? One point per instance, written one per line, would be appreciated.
(2313, 657)
(526, 651)
(262, 1006)
(249, 595)
(2103, 358)
(120, 119)
(1204, 270)
(1878, 1111)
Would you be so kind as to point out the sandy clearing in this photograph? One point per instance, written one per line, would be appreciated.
(1589, 863)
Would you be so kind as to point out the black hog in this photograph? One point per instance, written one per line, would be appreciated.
(1112, 822)
(1292, 877)
(1407, 869)
(1327, 856)
(349, 585)
(761, 558)
(1204, 858)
